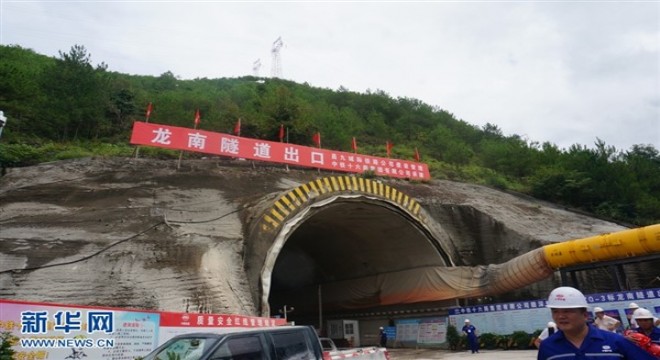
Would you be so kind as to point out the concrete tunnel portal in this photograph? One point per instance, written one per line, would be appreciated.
(319, 241)
(345, 245)
(347, 239)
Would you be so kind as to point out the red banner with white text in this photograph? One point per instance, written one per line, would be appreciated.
(179, 138)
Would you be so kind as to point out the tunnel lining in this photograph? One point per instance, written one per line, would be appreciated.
(295, 221)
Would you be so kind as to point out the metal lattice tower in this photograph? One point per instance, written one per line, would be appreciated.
(276, 71)
(255, 67)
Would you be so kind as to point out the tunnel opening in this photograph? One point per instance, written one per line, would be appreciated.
(348, 242)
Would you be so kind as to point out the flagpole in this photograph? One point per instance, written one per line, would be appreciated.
(147, 115)
(287, 141)
(195, 123)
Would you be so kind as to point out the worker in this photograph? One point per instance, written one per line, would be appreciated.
(632, 307)
(605, 322)
(632, 325)
(576, 339)
(471, 332)
(383, 337)
(550, 329)
(645, 320)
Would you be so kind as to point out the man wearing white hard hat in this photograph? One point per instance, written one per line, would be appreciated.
(471, 333)
(632, 308)
(645, 320)
(605, 322)
(549, 330)
(576, 339)
(382, 337)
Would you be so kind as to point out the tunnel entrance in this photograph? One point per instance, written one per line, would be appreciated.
(341, 244)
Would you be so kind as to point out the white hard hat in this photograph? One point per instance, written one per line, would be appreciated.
(633, 306)
(566, 297)
(552, 324)
(598, 309)
(467, 320)
(642, 314)
(381, 328)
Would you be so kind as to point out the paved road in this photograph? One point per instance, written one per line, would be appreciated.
(424, 354)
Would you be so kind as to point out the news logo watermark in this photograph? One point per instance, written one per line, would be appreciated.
(50, 328)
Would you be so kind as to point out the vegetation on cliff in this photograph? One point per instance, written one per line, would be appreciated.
(64, 107)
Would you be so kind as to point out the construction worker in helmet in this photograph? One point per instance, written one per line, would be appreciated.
(550, 329)
(605, 322)
(471, 332)
(644, 319)
(382, 337)
(576, 339)
(632, 307)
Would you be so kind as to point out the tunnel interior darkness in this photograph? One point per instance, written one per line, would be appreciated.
(346, 240)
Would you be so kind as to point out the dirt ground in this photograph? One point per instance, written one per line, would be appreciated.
(424, 354)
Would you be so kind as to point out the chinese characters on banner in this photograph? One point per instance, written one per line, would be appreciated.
(173, 324)
(51, 331)
(531, 315)
(178, 138)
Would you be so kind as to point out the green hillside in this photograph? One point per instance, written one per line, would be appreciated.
(64, 107)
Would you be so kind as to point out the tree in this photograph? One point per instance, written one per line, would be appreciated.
(75, 95)
(6, 351)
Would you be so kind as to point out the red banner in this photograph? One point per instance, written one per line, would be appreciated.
(178, 138)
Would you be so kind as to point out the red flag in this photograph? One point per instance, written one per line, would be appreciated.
(197, 118)
(281, 132)
(388, 146)
(354, 145)
(417, 155)
(237, 128)
(149, 108)
(316, 138)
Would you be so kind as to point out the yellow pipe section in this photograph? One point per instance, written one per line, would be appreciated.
(612, 246)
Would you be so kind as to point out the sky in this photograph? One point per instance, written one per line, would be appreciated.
(564, 72)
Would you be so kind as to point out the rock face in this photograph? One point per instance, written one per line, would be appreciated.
(143, 234)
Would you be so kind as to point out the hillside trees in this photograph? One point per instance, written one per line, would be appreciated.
(76, 93)
(20, 71)
(67, 99)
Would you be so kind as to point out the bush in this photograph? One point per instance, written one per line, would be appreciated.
(521, 340)
(6, 341)
(12, 155)
(453, 338)
(488, 341)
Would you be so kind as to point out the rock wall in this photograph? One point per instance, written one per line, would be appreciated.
(143, 234)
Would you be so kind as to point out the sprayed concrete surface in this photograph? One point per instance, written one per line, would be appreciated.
(143, 234)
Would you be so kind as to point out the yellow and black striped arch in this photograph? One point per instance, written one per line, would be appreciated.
(299, 197)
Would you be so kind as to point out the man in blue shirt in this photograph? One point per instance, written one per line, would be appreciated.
(645, 320)
(471, 333)
(576, 339)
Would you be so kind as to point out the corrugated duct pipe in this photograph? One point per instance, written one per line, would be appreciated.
(433, 283)
(538, 264)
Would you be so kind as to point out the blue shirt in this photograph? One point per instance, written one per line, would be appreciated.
(597, 345)
(469, 330)
(655, 334)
